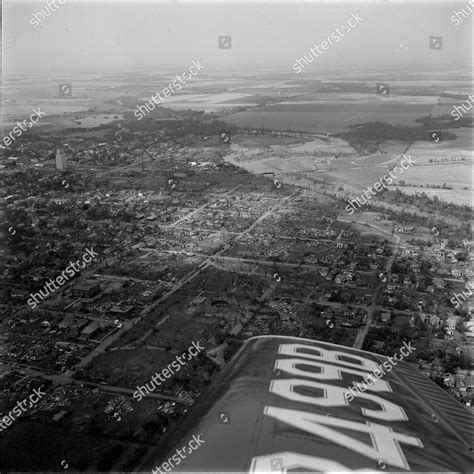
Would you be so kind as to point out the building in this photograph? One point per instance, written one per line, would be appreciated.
(20, 294)
(60, 160)
(86, 289)
(434, 320)
(340, 244)
(66, 322)
(452, 322)
(91, 330)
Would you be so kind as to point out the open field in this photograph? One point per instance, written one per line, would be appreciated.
(461, 147)
(252, 142)
(315, 161)
(331, 112)
(457, 196)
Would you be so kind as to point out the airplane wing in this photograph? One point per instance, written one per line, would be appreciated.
(284, 404)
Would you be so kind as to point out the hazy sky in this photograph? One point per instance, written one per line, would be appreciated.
(121, 36)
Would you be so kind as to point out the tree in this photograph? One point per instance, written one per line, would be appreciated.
(460, 327)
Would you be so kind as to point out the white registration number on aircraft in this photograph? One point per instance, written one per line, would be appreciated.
(385, 444)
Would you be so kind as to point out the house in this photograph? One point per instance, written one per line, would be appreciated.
(378, 345)
(92, 329)
(59, 415)
(469, 381)
(339, 242)
(66, 322)
(449, 380)
(461, 384)
(236, 330)
(470, 328)
(434, 320)
(452, 321)
(450, 258)
(119, 309)
(403, 229)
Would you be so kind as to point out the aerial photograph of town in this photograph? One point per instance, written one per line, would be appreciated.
(192, 192)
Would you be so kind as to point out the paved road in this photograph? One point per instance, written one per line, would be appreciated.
(388, 269)
(200, 208)
(126, 325)
(179, 284)
(224, 258)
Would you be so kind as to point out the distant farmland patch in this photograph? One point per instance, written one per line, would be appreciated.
(330, 115)
(249, 141)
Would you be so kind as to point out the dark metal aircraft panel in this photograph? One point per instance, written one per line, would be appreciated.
(281, 404)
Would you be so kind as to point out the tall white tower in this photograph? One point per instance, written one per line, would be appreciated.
(60, 160)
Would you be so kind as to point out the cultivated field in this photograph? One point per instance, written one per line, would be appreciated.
(335, 112)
